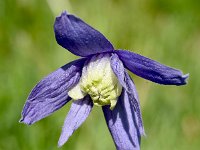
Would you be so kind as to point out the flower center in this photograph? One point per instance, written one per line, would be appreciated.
(99, 81)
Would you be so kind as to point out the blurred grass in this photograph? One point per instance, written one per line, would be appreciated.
(167, 31)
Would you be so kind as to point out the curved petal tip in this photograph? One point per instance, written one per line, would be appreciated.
(185, 79)
(25, 121)
(64, 13)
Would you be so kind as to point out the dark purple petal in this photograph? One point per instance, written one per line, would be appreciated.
(79, 111)
(134, 101)
(78, 37)
(151, 70)
(129, 86)
(118, 68)
(122, 124)
(51, 93)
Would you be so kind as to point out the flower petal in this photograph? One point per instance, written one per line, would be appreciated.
(79, 111)
(50, 94)
(78, 37)
(118, 69)
(129, 86)
(122, 124)
(151, 70)
(134, 101)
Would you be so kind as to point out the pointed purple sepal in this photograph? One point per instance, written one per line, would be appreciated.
(151, 70)
(51, 93)
(118, 68)
(134, 101)
(122, 124)
(127, 83)
(78, 37)
(79, 111)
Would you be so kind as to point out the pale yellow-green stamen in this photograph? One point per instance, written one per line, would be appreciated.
(99, 81)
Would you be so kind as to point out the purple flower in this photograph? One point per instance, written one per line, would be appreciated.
(99, 78)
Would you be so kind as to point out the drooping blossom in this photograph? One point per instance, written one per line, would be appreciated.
(98, 78)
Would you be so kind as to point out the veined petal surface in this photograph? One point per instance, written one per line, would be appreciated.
(129, 86)
(118, 69)
(50, 93)
(134, 102)
(78, 113)
(122, 124)
(150, 69)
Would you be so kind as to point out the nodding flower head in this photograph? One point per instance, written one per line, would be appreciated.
(99, 81)
(99, 78)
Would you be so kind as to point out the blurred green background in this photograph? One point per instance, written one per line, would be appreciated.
(165, 30)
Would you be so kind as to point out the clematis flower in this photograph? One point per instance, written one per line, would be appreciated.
(98, 78)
